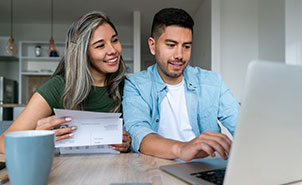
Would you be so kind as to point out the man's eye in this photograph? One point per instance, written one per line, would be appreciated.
(115, 40)
(171, 45)
(187, 46)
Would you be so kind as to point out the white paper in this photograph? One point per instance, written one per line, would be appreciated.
(88, 150)
(93, 128)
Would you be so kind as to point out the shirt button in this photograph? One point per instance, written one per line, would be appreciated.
(157, 120)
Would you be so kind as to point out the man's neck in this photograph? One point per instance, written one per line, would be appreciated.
(170, 80)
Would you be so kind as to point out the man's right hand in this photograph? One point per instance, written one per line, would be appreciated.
(54, 123)
(206, 144)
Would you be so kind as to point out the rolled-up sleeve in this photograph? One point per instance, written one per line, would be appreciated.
(136, 114)
(228, 109)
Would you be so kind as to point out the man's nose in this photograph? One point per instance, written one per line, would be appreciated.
(178, 54)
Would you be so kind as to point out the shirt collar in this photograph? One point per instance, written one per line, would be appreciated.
(190, 81)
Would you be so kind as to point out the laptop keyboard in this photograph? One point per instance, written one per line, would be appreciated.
(213, 176)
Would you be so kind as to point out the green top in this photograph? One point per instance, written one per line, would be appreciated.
(98, 99)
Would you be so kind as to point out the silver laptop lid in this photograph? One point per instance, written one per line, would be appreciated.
(267, 147)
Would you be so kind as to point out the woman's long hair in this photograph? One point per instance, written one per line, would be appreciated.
(74, 65)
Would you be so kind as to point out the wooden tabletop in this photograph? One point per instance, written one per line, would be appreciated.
(95, 169)
(106, 169)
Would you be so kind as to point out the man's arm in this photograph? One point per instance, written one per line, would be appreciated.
(228, 110)
(203, 145)
(136, 114)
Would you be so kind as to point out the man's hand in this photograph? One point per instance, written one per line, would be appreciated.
(124, 147)
(54, 123)
(206, 144)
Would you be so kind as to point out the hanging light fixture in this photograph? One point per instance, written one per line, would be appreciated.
(11, 47)
(53, 52)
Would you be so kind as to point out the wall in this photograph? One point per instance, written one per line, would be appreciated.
(250, 30)
(201, 51)
(34, 31)
(271, 30)
(293, 31)
(239, 41)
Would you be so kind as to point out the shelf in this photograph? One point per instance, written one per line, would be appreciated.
(41, 58)
(128, 59)
(8, 59)
(130, 45)
(35, 70)
(36, 73)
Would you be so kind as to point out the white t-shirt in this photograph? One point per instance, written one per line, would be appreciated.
(174, 121)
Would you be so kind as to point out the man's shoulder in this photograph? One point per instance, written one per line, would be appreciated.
(141, 77)
(206, 77)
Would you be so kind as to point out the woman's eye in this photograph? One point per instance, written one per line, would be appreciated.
(100, 46)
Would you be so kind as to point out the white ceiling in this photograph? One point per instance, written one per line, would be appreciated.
(66, 11)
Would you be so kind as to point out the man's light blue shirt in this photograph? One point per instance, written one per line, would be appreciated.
(207, 98)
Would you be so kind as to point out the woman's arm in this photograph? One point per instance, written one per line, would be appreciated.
(31, 118)
(36, 109)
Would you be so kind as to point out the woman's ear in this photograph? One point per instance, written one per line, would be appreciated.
(151, 43)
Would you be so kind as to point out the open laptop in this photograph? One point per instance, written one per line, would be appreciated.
(267, 146)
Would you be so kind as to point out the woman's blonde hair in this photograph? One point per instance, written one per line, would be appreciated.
(74, 65)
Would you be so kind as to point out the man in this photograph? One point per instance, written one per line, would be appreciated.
(171, 109)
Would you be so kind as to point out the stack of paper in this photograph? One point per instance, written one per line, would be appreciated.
(95, 132)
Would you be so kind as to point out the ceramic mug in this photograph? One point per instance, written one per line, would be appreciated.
(29, 155)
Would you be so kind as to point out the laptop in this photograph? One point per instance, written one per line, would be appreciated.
(267, 145)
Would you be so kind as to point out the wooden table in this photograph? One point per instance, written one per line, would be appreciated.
(104, 169)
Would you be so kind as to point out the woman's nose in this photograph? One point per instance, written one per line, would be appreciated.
(111, 49)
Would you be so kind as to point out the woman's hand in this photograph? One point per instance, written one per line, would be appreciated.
(58, 125)
(126, 143)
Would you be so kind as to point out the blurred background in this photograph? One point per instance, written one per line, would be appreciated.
(228, 34)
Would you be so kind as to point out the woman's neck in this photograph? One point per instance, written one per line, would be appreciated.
(99, 80)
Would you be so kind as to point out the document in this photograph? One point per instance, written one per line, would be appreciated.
(88, 150)
(95, 131)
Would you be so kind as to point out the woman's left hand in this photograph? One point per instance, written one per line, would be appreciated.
(126, 143)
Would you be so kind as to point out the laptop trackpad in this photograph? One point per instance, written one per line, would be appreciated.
(186, 171)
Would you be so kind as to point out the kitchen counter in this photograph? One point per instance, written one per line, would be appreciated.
(4, 125)
(12, 105)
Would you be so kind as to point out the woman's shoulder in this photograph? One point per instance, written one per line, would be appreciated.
(57, 78)
(55, 82)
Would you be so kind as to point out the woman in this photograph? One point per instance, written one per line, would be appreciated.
(89, 77)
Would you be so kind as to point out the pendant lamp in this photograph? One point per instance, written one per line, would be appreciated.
(11, 47)
(52, 49)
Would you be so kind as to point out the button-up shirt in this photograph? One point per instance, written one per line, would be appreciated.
(207, 97)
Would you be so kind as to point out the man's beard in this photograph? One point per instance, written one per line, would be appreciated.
(173, 74)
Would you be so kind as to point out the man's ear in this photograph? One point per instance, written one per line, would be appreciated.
(151, 43)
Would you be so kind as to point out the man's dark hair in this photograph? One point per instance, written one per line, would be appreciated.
(169, 17)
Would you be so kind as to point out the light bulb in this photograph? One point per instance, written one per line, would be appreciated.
(11, 47)
(52, 48)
